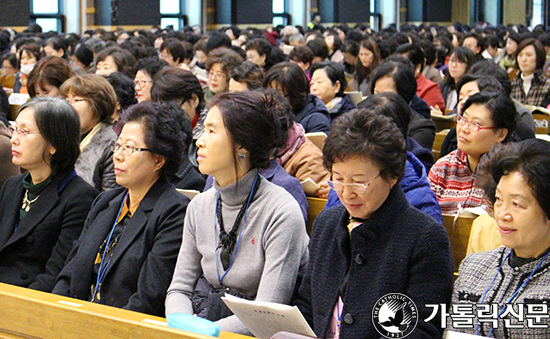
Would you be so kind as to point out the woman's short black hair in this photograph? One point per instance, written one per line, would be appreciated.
(248, 73)
(124, 89)
(59, 125)
(251, 119)
(175, 48)
(530, 157)
(176, 84)
(163, 124)
(123, 59)
(364, 133)
(319, 48)
(414, 54)
(58, 43)
(402, 74)
(335, 72)
(293, 82)
(84, 54)
(150, 65)
(539, 51)
(502, 108)
(391, 105)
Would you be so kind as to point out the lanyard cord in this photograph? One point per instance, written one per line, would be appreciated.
(252, 191)
(515, 293)
(101, 272)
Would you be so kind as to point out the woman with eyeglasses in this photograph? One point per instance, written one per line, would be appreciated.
(220, 63)
(43, 210)
(246, 236)
(126, 254)
(462, 58)
(95, 101)
(375, 243)
(487, 118)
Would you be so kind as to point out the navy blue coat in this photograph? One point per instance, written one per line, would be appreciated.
(143, 261)
(313, 116)
(34, 255)
(398, 250)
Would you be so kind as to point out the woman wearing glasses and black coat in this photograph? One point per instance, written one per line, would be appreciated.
(126, 254)
(375, 243)
(245, 236)
(43, 210)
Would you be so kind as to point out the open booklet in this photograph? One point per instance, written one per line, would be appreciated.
(264, 319)
(310, 187)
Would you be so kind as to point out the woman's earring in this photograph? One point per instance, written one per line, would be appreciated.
(242, 155)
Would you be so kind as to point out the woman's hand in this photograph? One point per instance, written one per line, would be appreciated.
(323, 191)
(435, 110)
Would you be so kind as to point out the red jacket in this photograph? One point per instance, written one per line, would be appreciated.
(430, 92)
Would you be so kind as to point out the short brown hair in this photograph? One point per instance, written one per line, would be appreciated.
(96, 90)
(226, 57)
(51, 71)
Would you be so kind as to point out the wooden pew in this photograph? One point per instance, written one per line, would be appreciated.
(438, 141)
(315, 206)
(459, 234)
(25, 313)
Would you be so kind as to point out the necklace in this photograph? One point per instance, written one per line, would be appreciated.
(26, 202)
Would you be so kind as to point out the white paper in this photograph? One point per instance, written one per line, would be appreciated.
(310, 187)
(188, 193)
(18, 99)
(264, 319)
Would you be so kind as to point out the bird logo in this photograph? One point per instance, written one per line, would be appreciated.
(395, 315)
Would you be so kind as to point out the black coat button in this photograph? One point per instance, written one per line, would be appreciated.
(359, 259)
(348, 319)
(30, 239)
(24, 275)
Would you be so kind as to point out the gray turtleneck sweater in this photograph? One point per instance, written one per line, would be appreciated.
(271, 252)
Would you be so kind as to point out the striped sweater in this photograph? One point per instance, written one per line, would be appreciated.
(454, 183)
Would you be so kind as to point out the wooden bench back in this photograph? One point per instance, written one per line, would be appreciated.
(27, 313)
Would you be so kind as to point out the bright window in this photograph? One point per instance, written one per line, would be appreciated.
(171, 13)
(48, 14)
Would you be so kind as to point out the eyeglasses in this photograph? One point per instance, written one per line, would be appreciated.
(474, 126)
(355, 188)
(218, 75)
(73, 101)
(455, 61)
(15, 129)
(141, 83)
(127, 148)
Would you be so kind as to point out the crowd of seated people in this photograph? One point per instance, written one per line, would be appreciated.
(117, 121)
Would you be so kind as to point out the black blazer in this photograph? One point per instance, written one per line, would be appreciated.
(144, 259)
(34, 255)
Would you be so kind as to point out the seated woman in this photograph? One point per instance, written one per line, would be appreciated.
(375, 243)
(28, 55)
(367, 62)
(7, 168)
(516, 274)
(414, 183)
(255, 244)
(220, 62)
(36, 235)
(127, 252)
(531, 86)
(462, 58)
(328, 83)
(292, 83)
(94, 99)
(247, 77)
(398, 77)
(47, 77)
(115, 59)
(487, 119)
(146, 69)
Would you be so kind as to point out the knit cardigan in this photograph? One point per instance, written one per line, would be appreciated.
(397, 250)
